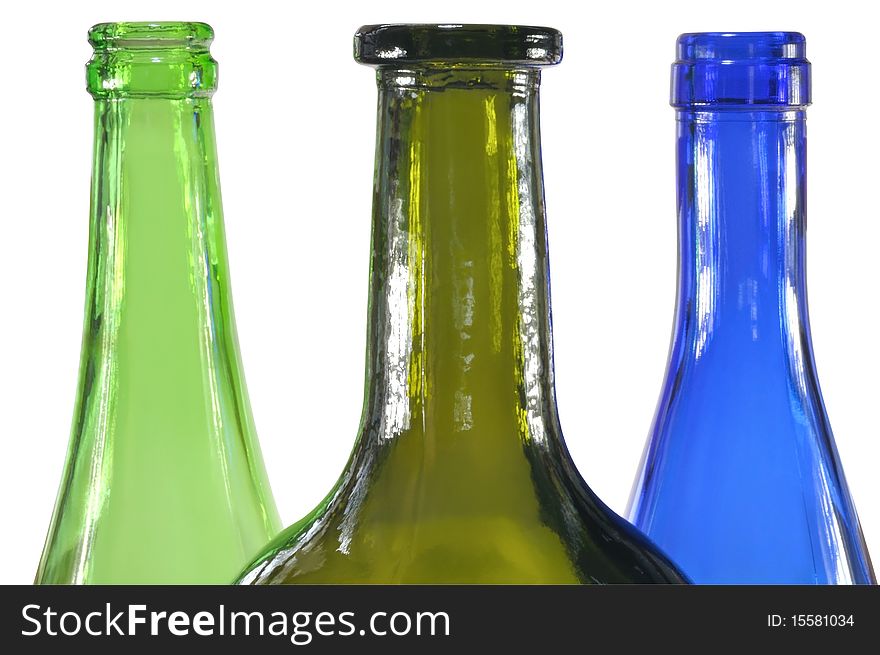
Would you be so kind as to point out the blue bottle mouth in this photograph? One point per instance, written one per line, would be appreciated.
(740, 69)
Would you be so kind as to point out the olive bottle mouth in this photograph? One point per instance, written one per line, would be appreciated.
(151, 59)
(405, 44)
(162, 34)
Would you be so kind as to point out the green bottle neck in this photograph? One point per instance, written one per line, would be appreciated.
(157, 252)
(157, 235)
(459, 316)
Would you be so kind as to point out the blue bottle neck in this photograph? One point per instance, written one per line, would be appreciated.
(741, 201)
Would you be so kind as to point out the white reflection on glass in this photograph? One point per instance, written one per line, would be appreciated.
(526, 253)
(835, 561)
(391, 53)
(105, 421)
(350, 514)
(463, 318)
(706, 255)
(790, 231)
(398, 345)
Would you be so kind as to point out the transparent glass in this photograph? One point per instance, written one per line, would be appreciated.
(741, 481)
(164, 481)
(459, 473)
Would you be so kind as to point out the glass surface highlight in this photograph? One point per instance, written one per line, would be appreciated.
(164, 481)
(741, 481)
(459, 473)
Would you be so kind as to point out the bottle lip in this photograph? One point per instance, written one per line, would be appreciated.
(454, 43)
(739, 46)
(741, 69)
(156, 34)
(159, 59)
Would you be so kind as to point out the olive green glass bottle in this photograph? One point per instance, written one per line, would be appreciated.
(459, 473)
(164, 481)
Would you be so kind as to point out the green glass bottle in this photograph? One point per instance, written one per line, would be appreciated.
(164, 481)
(459, 473)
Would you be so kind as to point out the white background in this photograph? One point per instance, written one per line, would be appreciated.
(296, 126)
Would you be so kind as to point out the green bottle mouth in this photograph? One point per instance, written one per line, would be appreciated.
(453, 43)
(151, 59)
(162, 34)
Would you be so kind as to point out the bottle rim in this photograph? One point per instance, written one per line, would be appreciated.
(156, 34)
(453, 43)
(740, 46)
(731, 70)
(158, 59)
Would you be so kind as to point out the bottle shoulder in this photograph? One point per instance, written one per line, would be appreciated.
(529, 520)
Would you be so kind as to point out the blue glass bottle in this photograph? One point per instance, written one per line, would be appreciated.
(741, 481)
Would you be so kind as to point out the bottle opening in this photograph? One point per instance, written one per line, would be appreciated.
(166, 59)
(745, 69)
(151, 35)
(396, 45)
(734, 46)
